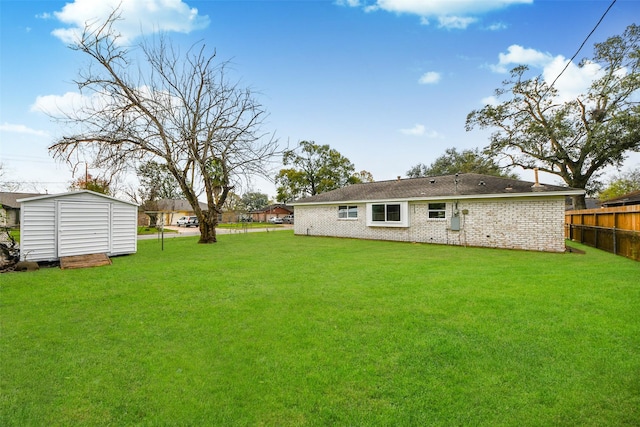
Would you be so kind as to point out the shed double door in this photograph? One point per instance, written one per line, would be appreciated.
(83, 228)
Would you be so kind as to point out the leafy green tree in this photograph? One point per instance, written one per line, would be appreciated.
(364, 176)
(233, 203)
(313, 169)
(466, 161)
(88, 182)
(624, 183)
(253, 201)
(575, 139)
(156, 183)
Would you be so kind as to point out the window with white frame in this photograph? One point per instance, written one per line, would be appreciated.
(347, 212)
(437, 210)
(388, 214)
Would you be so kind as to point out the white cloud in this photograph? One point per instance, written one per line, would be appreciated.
(430, 78)
(148, 17)
(433, 134)
(574, 80)
(451, 14)
(420, 130)
(57, 105)
(417, 130)
(490, 100)
(446, 7)
(497, 26)
(350, 3)
(77, 105)
(455, 22)
(517, 55)
(9, 127)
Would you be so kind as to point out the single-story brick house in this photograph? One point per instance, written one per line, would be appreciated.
(169, 210)
(271, 211)
(465, 209)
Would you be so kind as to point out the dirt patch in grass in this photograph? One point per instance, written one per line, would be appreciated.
(573, 250)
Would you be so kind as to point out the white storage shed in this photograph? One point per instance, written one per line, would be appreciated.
(78, 223)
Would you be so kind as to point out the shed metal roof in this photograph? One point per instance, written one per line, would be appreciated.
(55, 196)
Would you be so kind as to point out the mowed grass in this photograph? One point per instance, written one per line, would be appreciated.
(281, 330)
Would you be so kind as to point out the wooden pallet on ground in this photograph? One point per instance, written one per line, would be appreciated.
(83, 261)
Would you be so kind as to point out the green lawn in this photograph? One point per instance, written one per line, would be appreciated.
(142, 230)
(244, 225)
(282, 330)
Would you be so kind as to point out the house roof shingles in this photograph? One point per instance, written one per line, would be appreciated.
(468, 184)
(177, 205)
(10, 200)
(632, 198)
(271, 208)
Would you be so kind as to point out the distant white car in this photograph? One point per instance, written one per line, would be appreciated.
(187, 221)
(275, 220)
(288, 219)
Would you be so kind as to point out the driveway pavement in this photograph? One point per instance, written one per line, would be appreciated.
(194, 231)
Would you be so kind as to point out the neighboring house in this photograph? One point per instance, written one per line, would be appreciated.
(10, 208)
(271, 211)
(465, 209)
(590, 202)
(77, 223)
(170, 210)
(628, 199)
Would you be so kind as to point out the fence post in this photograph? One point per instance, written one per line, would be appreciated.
(615, 251)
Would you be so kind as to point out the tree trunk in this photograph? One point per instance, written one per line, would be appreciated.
(579, 202)
(153, 220)
(208, 229)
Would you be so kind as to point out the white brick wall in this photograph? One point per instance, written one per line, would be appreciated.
(528, 223)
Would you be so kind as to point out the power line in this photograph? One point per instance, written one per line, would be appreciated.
(582, 45)
(28, 159)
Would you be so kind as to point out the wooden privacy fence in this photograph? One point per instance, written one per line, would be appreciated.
(615, 230)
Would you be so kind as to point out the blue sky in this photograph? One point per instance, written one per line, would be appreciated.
(387, 83)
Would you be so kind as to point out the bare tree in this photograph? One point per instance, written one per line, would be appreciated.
(5, 184)
(180, 110)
